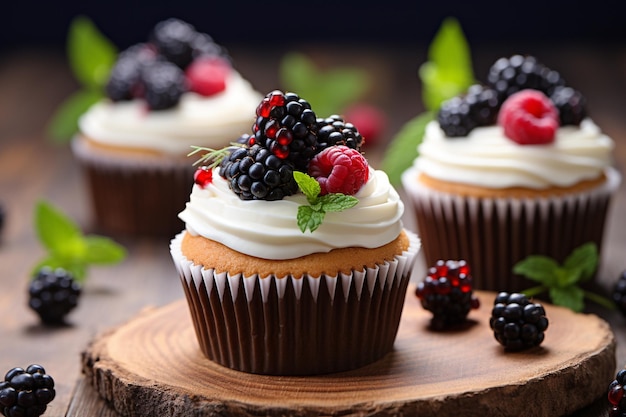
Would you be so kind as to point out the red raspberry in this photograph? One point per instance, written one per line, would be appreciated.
(370, 120)
(529, 118)
(339, 169)
(207, 75)
(203, 176)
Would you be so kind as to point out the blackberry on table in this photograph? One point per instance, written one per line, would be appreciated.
(287, 126)
(174, 39)
(447, 293)
(53, 293)
(26, 392)
(333, 130)
(571, 104)
(518, 72)
(517, 323)
(619, 293)
(461, 114)
(254, 173)
(164, 83)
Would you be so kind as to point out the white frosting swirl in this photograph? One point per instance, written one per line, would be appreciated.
(487, 158)
(269, 229)
(213, 121)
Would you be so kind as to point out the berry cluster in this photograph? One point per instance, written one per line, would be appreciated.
(447, 293)
(26, 392)
(334, 130)
(53, 293)
(480, 104)
(616, 395)
(176, 59)
(516, 322)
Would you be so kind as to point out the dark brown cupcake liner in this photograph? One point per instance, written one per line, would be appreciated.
(296, 326)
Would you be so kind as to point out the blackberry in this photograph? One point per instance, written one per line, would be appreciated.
(286, 126)
(447, 293)
(516, 322)
(203, 45)
(254, 173)
(619, 293)
(125, 76)
(571, 104)
(26, 392)
(616, 395)
(510, 75)
(164, 83)
(174, 39)
(334, 130)
(461, 114)
(53, 294)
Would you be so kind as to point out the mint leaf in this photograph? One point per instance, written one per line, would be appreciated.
(337, 202)
(571, 297)
(308, 218)
(566, 277)
(538, 268)
(402, 150)
(102, 250)
(57, 232)
(448, 70)
(308, 185)
(91, 55)
(585, 259)
(64, 122)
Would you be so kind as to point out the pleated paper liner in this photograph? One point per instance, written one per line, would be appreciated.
(493, 234)
(296, 325)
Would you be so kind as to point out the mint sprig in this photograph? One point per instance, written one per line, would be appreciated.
(561, 282)
(66, 245)
(311, 217)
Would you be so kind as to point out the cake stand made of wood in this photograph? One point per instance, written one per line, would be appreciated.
(152, 366)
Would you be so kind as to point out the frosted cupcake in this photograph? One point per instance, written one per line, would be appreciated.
(289, 273)
(511, 169)
(176, 90)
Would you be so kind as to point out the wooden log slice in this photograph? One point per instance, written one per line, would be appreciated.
(152, 366)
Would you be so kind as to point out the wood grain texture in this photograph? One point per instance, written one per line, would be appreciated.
(152, 366)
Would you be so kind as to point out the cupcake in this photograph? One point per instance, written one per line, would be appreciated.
(176, 90)
(294, 259)
(511, 168)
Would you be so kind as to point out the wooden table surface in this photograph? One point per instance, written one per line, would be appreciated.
(34, 82)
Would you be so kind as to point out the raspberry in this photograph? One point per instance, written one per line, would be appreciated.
(615, 395)
(516, 322)
(164, 84)
(447, 293)
(207, 75)
(339, 169)
(571, 105)
(203, 176)
(370, 120)
(529, 118)
(53, 293)
(26, 392)
(334, 130)
(461, 114)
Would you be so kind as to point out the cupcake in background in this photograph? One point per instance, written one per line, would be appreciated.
(511, 168)
(176, 90)
(294, 259)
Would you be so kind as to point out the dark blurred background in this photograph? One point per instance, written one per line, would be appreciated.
(44, 23)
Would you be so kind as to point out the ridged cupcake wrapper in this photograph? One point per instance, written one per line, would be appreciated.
(493, 234)
(296, 326)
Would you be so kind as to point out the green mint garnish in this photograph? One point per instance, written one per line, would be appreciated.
(310, 217)
(212, 157)
(66, 245)
(91, 57)
(562, 281)
(447, 73)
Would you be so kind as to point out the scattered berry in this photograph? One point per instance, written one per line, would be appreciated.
(461, 114)
(371, 121)
(339, 169)
(616, 395)
(53, 294)
(619, 293)
(334, 130)
(529, 118)
(203, 176)
(571, 105)
(447, 293)
(516, 322)
(164, 84)
(286, 126)
(207, 75)
(510, 75)
(173, 39)
(26, 393)
(254, 173)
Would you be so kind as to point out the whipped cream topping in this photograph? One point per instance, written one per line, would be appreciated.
(213, 121)
(269, 229)
(487, 158)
